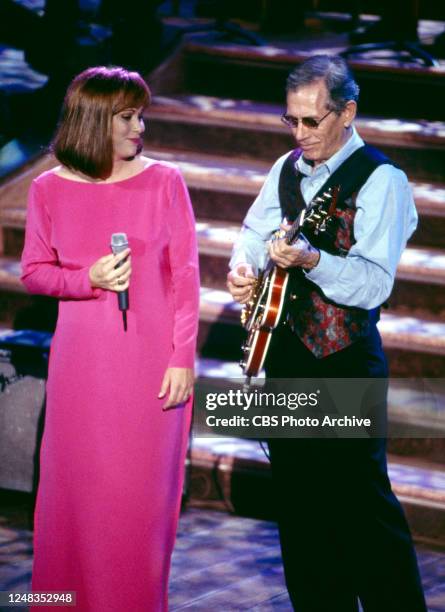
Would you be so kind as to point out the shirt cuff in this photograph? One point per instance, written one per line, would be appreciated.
(86, 289)
(242, 258)
(237, 258)
(322, 273)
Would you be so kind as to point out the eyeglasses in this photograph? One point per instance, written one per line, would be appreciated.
(308, 122)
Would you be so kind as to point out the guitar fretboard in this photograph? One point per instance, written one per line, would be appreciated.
(293, 232)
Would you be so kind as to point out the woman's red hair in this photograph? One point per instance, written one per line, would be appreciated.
(83, 140)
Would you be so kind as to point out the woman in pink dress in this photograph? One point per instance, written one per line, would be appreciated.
(118, 402)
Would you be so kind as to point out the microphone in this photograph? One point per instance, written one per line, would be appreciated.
(119, 243)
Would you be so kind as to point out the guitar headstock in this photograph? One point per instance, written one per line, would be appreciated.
(316, 215)
(321, 209)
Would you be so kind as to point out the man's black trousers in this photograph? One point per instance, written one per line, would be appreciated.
(343, 533)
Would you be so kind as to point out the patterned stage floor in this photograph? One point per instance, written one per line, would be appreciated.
(221, 563)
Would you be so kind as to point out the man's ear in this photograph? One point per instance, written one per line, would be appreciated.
(349, 113)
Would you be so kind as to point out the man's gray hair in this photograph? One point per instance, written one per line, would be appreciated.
(336, 74)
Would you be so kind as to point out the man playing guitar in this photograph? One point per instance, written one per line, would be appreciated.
(343, 533)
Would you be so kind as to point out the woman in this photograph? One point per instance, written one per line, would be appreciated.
(118, 402)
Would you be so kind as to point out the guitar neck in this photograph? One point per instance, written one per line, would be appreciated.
(293, 233)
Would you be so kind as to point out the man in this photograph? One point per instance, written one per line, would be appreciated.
(343, 533)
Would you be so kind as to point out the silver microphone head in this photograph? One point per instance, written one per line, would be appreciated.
(119, 242)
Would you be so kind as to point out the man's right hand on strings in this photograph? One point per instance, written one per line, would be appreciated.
(240, 282)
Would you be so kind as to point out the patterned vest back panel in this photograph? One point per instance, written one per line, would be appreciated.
(324, 326)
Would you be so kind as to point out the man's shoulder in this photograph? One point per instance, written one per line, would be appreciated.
(385, 180)
(371, 167)
(374, 156)
(387, 172)
(278, 164)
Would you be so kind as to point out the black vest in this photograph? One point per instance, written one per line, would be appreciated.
(324, 326)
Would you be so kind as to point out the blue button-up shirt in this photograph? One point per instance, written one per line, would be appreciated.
(385, 219)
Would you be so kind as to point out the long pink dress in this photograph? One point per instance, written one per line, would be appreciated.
(112, 460)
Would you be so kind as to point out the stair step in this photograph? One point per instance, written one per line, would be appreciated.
(14, 188)
(411, 403)
(244, 71)
(246, 176)
(10, 271)
(414, 346)
(408, 333)
(291, 56)
(264, 117)
(252, 129)
(423, 266)
(418, 264)
(221, 188)
(398, 332)
(242, 471)
(419, 286)
(241, 176)
(243, 477)
(13, 217)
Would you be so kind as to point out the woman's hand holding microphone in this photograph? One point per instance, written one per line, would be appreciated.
(105, 275)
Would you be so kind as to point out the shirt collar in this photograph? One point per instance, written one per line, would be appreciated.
(353, 143)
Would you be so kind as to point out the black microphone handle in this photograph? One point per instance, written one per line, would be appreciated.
(122, 296)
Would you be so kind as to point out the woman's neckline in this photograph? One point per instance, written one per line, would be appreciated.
(149, 163)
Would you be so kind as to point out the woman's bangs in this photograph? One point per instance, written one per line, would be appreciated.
(134, 96)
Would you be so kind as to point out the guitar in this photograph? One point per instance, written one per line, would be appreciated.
(261, 314)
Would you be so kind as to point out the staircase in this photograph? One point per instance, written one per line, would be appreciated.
(216, 114)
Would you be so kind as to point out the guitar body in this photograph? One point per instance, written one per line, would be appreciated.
(265, 312)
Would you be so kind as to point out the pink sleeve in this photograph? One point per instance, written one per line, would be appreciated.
(183, 255)
(41, 269)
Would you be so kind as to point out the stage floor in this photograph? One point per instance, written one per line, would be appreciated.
(221, 563)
